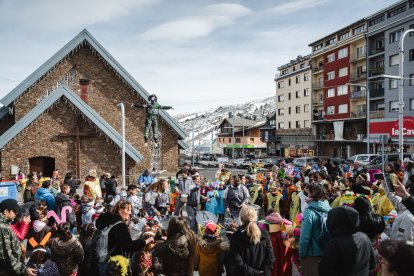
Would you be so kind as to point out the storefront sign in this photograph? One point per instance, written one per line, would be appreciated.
(391, 127)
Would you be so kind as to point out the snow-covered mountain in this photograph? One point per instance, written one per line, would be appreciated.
(206, 121)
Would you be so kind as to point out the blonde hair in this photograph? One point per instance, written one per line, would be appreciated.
(248, 216)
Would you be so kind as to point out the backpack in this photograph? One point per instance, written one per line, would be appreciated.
(324, 235)
(100, 243)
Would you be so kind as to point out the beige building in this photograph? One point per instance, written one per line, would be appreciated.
(294, 107)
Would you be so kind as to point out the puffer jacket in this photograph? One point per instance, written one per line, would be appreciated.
(246, 258)
(349, 252)
(46, 195)
(208, 255)
(49, 268)
(66, 254)
(311, 228)
(175, 256)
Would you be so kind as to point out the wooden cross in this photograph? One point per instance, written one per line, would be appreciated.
(78, 135)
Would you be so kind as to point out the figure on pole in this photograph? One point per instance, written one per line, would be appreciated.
(151, 121)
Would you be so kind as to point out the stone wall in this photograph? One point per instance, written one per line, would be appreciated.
(106, 90)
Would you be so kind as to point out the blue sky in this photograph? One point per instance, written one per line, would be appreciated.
(194, 54)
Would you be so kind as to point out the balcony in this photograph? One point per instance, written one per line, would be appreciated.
(358, 114)
(356, 76)
(317, 117)
(357, 56)
(377, 114)
(317, 85)
(317, 70)
(317, 103)
(376, 51)
(359, 94)
(376, 71)
(376, 93)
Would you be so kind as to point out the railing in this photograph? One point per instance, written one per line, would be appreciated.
(317, 69)
(357, 56)
(376, 93)
(358, 114)
(358, 94)
(358, 76)
(376, 114)
(377, 71)
(376, 51)
(317, 85)
(317, 117)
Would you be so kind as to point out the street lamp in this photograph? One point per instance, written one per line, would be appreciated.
(368, 109)
(121, 106)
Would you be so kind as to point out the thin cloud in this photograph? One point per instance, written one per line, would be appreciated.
(190, 27)
(296, 5)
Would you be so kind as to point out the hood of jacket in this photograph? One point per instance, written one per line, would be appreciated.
(179, 246)
(61, 197)
(209, 245)
(107, 219)
(342, 221)
(41, 192)
(242, 235)
(62, 248)
(320, 205)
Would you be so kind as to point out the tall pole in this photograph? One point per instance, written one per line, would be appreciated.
(401, 96)
(233, 142)
(243, 142)
(121, 105)
(368, 119)
(192, 147)
(212, 141)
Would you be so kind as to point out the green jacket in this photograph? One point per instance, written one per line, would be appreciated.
(11, 258)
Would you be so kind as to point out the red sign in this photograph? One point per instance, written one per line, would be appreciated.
(391, 127)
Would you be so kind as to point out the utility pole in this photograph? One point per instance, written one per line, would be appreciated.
(121, 106)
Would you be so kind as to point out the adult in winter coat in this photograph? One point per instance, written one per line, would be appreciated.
(62, 199)
(110, 185)
(66, 250)
(310, 251)
(251, 251)
(45, 194)
(349, 252)
(177, 254)
(235, 196)
(369, 223)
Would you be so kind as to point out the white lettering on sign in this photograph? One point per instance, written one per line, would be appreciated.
(395, 132)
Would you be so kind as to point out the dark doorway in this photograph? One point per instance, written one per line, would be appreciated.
(43, 164)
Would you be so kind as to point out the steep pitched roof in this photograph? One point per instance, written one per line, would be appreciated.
(95, 118)
(66, 50)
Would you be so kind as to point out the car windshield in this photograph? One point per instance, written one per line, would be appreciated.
(362, 158)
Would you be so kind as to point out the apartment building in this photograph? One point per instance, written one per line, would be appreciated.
(339, 73)
(294, 106)
(384, 32)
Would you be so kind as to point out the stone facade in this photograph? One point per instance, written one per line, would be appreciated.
(106, 90)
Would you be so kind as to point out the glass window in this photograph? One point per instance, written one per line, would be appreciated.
(298, 109)
(342, 90)
(393, 84)
(306, 124)
(330, 110)
(343, 72)
(358, 30)
(330, 58)
(393, 106)
(342, 53)
(297, 124)
(376, 20)
(306, 108)
(281, 125)
(281, 98)
(297, 94)
(330, 75)
(297, 79)
(281, 112)
(343, 108)
(411, 27)
(280, 84)
(394, 60)
(306, 92)
(331, 92)
(397, 10)
(306, 77)
(330, 41)
(317, 47)
(411, 104)
(343, 36)
(395, 36)
(411, 76)
(411, 55)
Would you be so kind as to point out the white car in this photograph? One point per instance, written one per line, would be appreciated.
(364, 159)
(223, 159)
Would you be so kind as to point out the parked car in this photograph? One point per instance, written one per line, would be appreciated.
(223, 159)
(341, 161)
(376, 163)
(269, 162)
(240, 162)
(301, 161)
(260, 163)
(364, 159)
(250, 156)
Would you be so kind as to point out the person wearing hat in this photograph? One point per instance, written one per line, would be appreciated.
(146, 179)
(110, 185)
(273, 198)
(209, 248)
(11, 261)
(92, 186)
(135, 199)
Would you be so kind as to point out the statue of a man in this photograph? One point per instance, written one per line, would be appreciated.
(151, 121)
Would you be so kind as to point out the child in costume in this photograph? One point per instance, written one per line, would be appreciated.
(175, 197)
(87, 209)
(40, 258)
(220, 210)
(273, 198)
(135, 198)
(212, 199)
(118, 265)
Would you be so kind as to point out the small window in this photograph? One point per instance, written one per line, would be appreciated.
(343, 36)
(289, 110)
(290, 96)
(395, 36)
(297, 79)
(281, 125)
(281, 112)
(411, 54)
(376, 20)
(343, 53)
(393, 106)
(294, 68)
(330, 110)
(330, 93)
(330, 42)
(281, 98)
(290, 125)
(343, 72)
(280, 84)
(343, 108)
(358, 30)
(393, 84)
(306, 77)
(238, 140)
(251, 140)
(317, 47)
(342, 90)
(397, 10)
(290, 82)
(411, 27)
(330, 75)
(411, 104)
(330, 58)
(306, 124)
(306, 108)
(306, 92)
(411, 76)
(394, 60)
(297, 124)
(297, 94)
(297, 109)
(302, 65)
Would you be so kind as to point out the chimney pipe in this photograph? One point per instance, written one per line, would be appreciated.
(84, 83)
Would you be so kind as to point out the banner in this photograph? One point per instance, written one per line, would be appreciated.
(339, 130)
(391, 127)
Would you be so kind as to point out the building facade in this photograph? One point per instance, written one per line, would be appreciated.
(385, 29)
(268, 135)
(338, 64)
(294, 106)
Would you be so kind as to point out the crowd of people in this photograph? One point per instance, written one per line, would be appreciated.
(323, 219)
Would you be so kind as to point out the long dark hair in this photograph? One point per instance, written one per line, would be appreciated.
(176, 228)
(64, 231)
(39, 256)
(364, 208)
(317, 192)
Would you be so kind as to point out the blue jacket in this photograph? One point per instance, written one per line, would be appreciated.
(311, 228)
(46, 195)
(146, 179)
